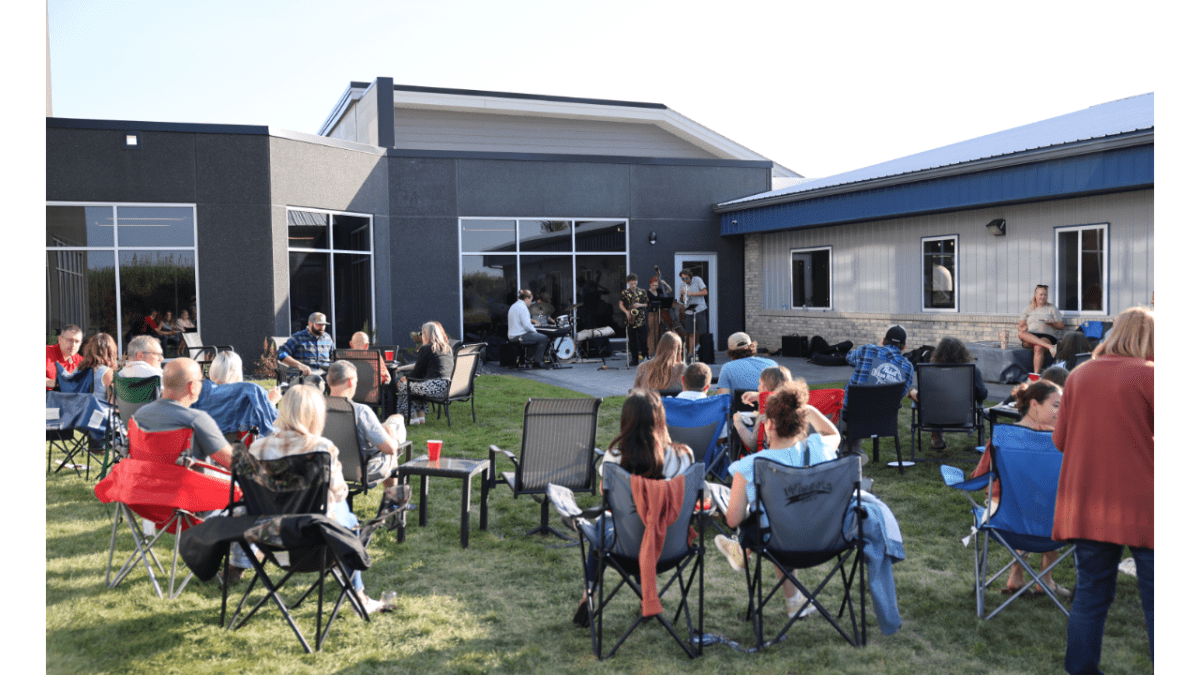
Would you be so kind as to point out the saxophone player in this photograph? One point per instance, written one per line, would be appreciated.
(634, 302)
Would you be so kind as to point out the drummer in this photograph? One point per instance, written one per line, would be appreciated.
(542, 311)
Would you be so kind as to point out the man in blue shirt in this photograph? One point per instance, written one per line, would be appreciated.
(309, 348)
(743, 370)
(878, 364)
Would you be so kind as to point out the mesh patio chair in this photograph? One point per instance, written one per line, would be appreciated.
(194, 348)
(368, 364)
(698, 423)
(342, 430)
(558, 445)
(946, 403)
(806, 508)
(871, 413)
(157, 484)
(1026, 464)
(462, 384)
(682, 556)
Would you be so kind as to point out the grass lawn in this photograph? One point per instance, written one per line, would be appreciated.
(505, 603)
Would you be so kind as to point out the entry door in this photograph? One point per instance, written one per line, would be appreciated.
(702, 266)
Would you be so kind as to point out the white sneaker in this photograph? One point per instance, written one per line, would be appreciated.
(732, 552)
(794, 604)
(372, 606)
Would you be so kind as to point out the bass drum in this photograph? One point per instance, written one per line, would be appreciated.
(564, 348)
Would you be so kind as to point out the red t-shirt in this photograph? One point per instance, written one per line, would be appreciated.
(150, 323)
(54, 355)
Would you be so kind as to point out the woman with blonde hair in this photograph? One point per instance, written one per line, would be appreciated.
(1040, 326)
(431, 373)
(1106, 487)
(664, 370)
(301, 423)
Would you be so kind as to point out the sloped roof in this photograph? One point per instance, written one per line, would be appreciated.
(1115, 118)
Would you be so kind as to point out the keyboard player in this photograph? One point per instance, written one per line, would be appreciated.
(522, 330)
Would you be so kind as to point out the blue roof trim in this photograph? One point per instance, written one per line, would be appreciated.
(1109, 171)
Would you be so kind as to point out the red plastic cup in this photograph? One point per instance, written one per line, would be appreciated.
(435, 450)
(1034, 377)
(389, 354)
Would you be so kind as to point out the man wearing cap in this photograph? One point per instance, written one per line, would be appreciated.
(878, 364)
(309, 348)
(745, 365)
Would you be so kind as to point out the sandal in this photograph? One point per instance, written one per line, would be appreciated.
(581, 618)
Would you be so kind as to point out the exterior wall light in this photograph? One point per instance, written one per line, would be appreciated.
(653, 238)
(996, 227)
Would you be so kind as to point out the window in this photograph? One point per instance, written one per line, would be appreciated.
(571, 265)
(811, 278)
(110, 265)
(939, 269)
(331, 271)
(1082, 269)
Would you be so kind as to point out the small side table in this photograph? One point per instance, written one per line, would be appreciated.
(464, 469)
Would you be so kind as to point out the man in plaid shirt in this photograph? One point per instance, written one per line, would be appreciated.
(878, 364)
(309, 348)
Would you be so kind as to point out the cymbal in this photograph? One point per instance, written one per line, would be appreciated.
(541, 309)
(573, 307)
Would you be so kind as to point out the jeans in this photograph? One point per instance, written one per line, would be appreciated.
(346, 518)
(536, 338)
(1096, 586)
(591, 532)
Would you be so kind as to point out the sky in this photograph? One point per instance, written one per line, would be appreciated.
(820, 88)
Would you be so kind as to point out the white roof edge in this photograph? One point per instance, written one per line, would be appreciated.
(664, 118)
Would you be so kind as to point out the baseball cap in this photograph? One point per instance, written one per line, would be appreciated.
(896, 335)
(739, 340)
(317, 317)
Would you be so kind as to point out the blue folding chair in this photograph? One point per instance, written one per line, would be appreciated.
(1026, 464)
(71, 408)
(698, 423)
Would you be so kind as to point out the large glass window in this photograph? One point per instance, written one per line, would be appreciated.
(155, 246)
(331, 271)
(811, 278)
(939, 269)
(1082, 262)
(572, 266)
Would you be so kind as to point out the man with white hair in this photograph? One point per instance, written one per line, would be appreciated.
(181, 386)
(145, 358)
(65, 353)
(378, 442)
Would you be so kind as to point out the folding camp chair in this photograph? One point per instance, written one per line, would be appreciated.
(557, 446)
(1026, 464)
(738, 449)
(150, 484)
(286, 500)
(829, 402)
(73, 417)
(946, 403)
(681, 555)
(698, 423)
(872, 413)
(806, 508)
(462, 384)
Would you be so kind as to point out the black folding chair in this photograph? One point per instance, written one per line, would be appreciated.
(678, 557)
(946, 403)
(557, 446)
(871, 412)
(806, 508)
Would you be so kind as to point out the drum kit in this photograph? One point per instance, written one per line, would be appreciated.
(560, 329)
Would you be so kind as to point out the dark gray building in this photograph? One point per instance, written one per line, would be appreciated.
(412, 204)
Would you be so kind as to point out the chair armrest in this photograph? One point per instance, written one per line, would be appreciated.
(492, 450)
(954, 477)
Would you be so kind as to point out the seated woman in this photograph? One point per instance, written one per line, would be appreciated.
(184, 323)
(750, 426)
(430, 375)
(301, 421)
(788, 417)
(1040, 326)
(100, 354)
(1072, 345)
(226, 368)
(664, 370)
(1039, 402)
(237, 406)
(953, 350)
(643, 448)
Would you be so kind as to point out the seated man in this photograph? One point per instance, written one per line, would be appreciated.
(743, 370)
(145, 358)
(379, 442)
(65, 353)
(696, 381)
(360, 341)
(309, 348)
(878, 364)
(181, 386)
(520, 327)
